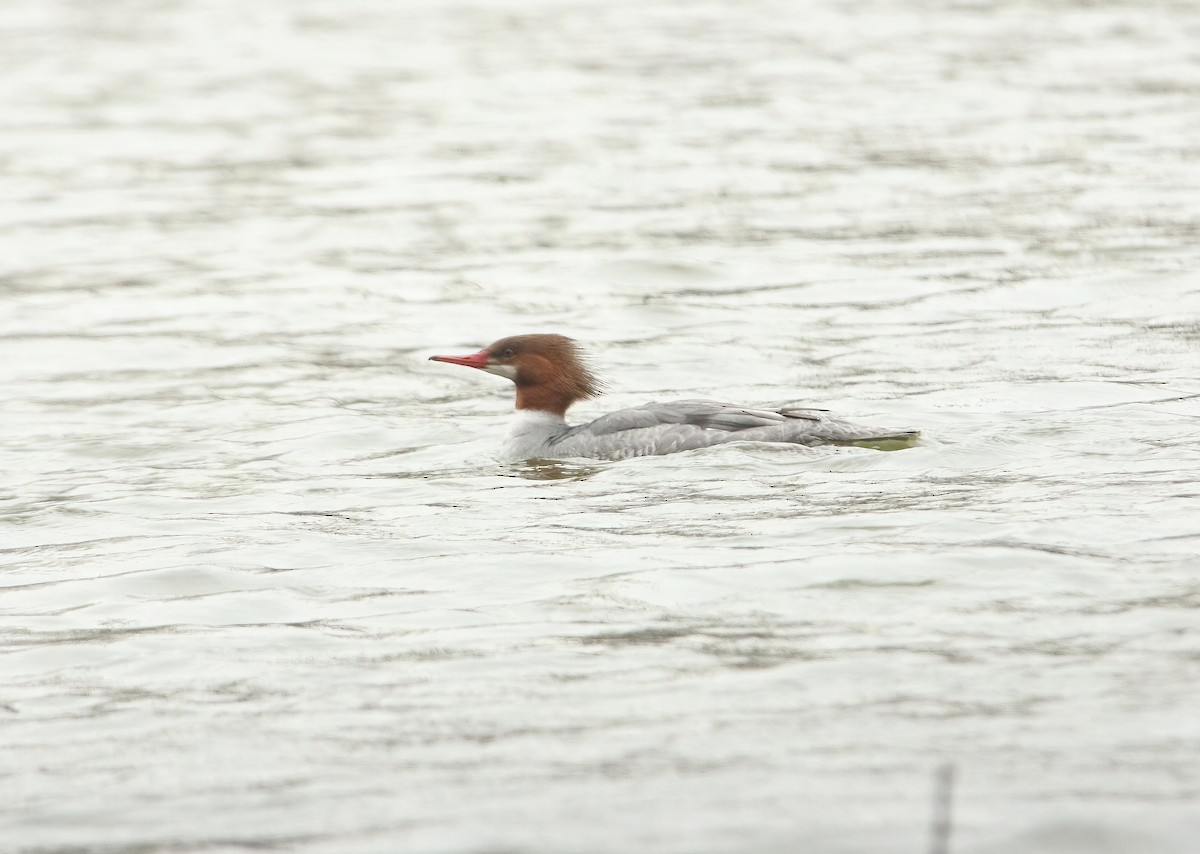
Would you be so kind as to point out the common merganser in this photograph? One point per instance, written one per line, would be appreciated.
(550, 375)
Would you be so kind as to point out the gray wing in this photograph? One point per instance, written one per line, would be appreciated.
(663, 428)
(701, 413)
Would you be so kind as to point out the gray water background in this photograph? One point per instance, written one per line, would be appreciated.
(265, 587)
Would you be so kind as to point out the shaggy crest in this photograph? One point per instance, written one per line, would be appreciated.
(550, 371)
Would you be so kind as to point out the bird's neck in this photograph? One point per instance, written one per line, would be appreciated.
(544, 399)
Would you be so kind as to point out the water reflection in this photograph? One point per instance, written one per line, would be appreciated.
(537, 469)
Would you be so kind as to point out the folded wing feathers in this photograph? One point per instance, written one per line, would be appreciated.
(701, 413)
(725, 417)
(805, 413)
(663, 428)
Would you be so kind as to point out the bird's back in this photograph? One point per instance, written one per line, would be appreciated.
(665, 428)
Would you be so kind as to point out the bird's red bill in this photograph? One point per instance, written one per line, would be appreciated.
(475, 360)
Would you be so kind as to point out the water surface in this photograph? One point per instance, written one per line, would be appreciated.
(265, 586)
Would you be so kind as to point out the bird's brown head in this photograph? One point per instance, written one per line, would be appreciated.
(548, 370)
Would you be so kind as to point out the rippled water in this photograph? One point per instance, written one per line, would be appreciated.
(266, 588)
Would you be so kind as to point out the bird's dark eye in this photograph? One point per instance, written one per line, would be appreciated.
(508, 353)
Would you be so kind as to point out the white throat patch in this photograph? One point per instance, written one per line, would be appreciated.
(509, 372)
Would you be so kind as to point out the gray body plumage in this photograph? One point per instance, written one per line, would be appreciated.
(683, 425)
